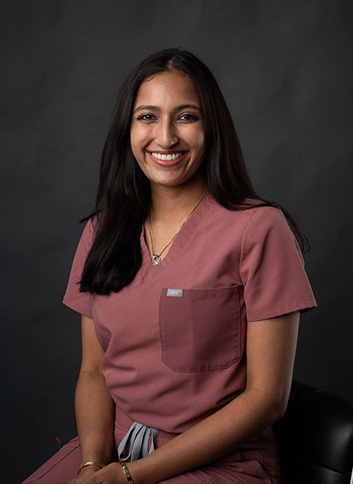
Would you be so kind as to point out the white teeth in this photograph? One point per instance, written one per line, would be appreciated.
(168, 157)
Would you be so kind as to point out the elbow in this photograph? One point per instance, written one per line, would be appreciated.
(271, 405)
(278, 408)
(279, 412)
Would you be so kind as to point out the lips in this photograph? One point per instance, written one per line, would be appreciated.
(167, 159)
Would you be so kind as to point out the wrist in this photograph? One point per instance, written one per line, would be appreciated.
(126, 471)
(141, 472)
(88, 471)
(89, 464)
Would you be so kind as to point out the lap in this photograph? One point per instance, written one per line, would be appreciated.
(62, 467)
(219, 475)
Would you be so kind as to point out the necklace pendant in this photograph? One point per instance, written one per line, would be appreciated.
(156, 259)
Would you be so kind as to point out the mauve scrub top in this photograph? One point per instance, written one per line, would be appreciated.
(174, 339)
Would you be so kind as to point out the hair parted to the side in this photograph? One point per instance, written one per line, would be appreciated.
(123, 198)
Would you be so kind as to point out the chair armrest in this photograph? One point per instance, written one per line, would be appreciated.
(315, 437)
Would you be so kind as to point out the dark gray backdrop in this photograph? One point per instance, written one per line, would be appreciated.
(286, 70)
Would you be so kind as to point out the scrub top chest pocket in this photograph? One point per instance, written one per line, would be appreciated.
(199, 328)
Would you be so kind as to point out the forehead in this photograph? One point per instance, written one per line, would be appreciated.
(167, 88)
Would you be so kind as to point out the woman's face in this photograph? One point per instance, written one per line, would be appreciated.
(167, 131)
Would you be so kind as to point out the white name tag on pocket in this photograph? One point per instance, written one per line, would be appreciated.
(175, 292)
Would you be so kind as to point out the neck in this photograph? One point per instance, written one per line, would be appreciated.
(174, 203)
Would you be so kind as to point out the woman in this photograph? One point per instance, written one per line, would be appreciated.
(190, 288)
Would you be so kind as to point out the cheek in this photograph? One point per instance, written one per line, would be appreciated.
(138, 139)
(197, 140)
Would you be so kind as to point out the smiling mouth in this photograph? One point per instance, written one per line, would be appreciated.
(167, 157)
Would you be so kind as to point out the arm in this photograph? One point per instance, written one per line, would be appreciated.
(93, 403)
(270, 350)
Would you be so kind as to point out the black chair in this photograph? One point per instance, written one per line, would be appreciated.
(315, 438)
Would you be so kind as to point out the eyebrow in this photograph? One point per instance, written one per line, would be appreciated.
(156, 108)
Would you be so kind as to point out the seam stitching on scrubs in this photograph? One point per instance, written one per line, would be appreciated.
(244, 235)
(242, 245)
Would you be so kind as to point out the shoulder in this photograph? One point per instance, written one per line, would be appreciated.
(250, 213)
(266, 216)
(247, 227)
(268, 230)
(265, 221)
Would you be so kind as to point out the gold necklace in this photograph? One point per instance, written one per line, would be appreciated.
(156, 258)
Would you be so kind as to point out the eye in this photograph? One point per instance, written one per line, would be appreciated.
(146, 117)
(191, 118)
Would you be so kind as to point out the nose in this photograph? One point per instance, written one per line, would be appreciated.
(166, 134)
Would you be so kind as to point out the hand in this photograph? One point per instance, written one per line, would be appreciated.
(110, 474)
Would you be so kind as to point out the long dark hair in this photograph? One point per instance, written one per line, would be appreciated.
(124, 198)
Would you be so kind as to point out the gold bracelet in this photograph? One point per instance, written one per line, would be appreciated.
(126, 471)
(89, 463)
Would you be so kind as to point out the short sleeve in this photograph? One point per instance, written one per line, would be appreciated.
(272, 268)
(74, 299)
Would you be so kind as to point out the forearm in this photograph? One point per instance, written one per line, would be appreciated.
(95, 417)
(213, 437)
